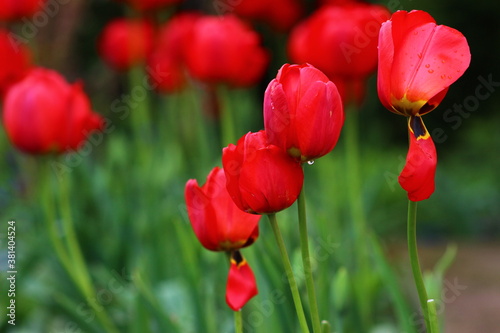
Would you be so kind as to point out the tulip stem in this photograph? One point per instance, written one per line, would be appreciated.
(289, 274)
(415, 265)
(357, 212)
(69, 252)
(306, 262)
(238, 321)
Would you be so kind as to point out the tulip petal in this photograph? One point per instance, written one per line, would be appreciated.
(321, 119)
(271, 181)
(276, 114)
(417, 177)
(241, 284)
(201, 215)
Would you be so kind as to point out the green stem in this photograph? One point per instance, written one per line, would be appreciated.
(415, 265)
(74, 261)
(238, 322)
(357, 213)
(289, 274)
(433, 321)
(325, 327)
(139, 104)
(306, 262)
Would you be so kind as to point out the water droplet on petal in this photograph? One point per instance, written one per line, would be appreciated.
(428, 65)
(449, 77)
(419, 55)
(310, 162)
(443, 76)
(431, 71)
(443, 61)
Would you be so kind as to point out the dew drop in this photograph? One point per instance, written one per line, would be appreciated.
(419, 55)
(428, 65)
(443, 61)
(449, 77)
(310, 162)
(431, 71)
(443, 76)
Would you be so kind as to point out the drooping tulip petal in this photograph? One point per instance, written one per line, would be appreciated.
(417, 176)
(241, 284)
(418, 61)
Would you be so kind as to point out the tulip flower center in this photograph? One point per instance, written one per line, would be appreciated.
(231, 246)
(406, 107)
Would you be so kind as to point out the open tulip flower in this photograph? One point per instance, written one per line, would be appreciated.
(418, 61)
(43, 113)
(220, 225)
(303, 112)
(261, 177)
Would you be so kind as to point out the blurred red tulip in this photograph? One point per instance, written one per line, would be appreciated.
(143, 5)
(418, 61)
(44, 114)
(220, 225)
(125, 43)
(279, 14)
(15, 61)
(261, 178)
(341, 41)
(167, 61)
(303, 112)
(17, 9)
(225, 50)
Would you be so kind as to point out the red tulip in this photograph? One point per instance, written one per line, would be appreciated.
(341, 41)
(143, 5)
(216, 221)
(220, 225)
(225, 50)
(43, 114)
(261, 178)
(303, 112)
(15, 61)
(125, 43)
(418, 61)
(280, 14)
(167, 61)
(17, 9)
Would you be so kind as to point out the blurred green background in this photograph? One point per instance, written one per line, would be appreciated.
(150, 272)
